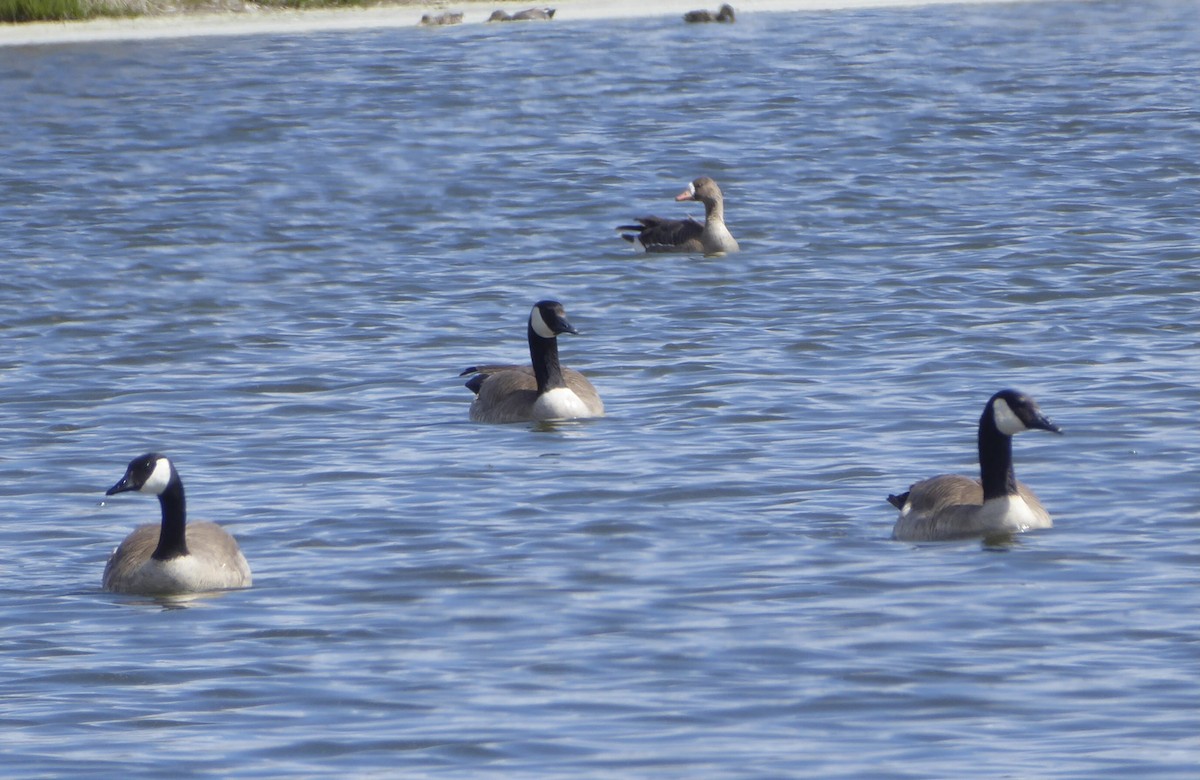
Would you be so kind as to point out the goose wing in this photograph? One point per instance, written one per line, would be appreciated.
(480, 373)
(937, 493)
(504, 394)
(656, 234)
(942, 507)
(131, 554)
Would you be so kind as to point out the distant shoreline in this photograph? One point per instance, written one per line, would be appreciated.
(252, 22)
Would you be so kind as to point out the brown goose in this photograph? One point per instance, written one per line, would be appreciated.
(952, 506)
(441, 20)
(655, 234)
(171, 557)
(528, 15)
(544, 390)
(724, 14)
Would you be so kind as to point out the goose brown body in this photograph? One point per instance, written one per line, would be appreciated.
(723, 14)
(510, 394)
(528, 15)
(214, 562)
(951, 506)
(442, 19)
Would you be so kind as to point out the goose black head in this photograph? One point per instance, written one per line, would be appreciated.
(1013, 412)
(149, 473)
(548, 319)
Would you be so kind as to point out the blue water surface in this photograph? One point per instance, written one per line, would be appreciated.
(270, 256)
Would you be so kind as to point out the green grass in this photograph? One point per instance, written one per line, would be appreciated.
(47, 10)
(66, 10)
(302, 4)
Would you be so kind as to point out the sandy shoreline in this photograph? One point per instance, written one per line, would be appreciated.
(477, 11)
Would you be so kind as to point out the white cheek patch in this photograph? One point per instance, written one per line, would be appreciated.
(1007, 421)
(539, 325)
(158, 479)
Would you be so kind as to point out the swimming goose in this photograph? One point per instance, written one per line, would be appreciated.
(655, 234)
(724, 14)
(542, 391)
(171, 557)
(528, 15)
(955, 507)
(442, 20)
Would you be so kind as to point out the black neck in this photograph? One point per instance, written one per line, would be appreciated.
(544, 353)
(995, 460)
(171, 541)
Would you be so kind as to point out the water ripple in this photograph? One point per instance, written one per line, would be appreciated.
(273, 258)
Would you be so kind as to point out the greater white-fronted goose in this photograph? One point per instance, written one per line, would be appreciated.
(172, 557)
(952, 506)
(545, 390)
(655, 234)
(724, 14)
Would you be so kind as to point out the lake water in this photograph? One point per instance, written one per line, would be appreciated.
(269, 257)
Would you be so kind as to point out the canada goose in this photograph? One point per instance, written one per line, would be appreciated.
(440, 20)
(724, 14)
(542, 391)
(951, 506)
(160, 559)
(528, 15)
(655, 234)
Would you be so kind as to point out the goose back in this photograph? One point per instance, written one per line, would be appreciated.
(507, 394)
(951, 506)
(656, 234)
(214, 562)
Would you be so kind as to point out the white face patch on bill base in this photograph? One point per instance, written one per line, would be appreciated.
(1007, 422)
(156, 483)
(539, 325)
